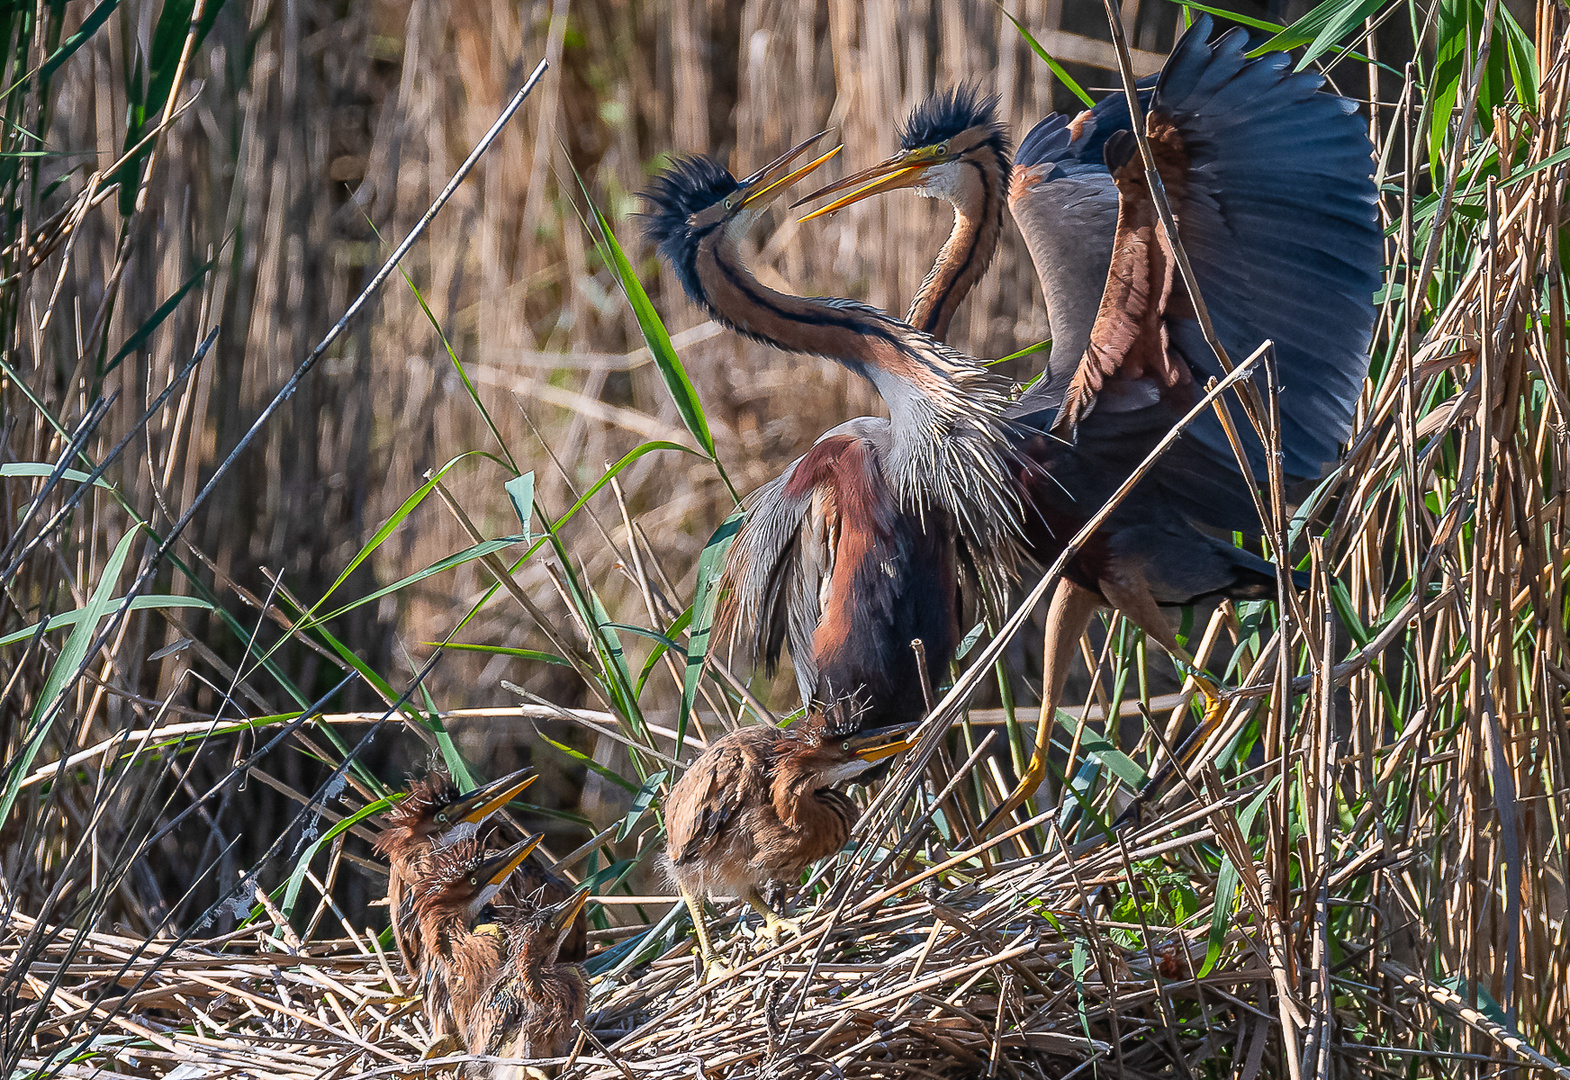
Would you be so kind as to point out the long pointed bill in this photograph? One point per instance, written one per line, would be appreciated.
(880, 743)
(493, 871)
(477, 805)
(777, 174)
(563, 914)
(904, 170)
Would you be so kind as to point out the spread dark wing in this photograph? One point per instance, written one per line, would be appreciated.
(1066, 205)
(713, 792)
(1270, 179)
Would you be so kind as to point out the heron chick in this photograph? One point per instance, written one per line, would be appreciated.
(759, 806)
(433, 815)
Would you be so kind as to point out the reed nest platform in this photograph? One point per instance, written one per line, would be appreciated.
(914, 961)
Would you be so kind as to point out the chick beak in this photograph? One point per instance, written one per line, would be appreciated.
(563, 914)
(903, 170)
(477, 805)
(879, 743)
(493, 871)
(769, 181)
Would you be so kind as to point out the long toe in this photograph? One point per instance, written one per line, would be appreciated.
(776, 929)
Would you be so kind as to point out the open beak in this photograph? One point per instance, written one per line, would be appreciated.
(477, 805)
(777, 175)
(903, 170)
(491, 872)
(879, 743)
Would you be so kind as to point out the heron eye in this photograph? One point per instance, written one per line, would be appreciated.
(943, 147)
(729, 202)
(442, 817)
(474, 881)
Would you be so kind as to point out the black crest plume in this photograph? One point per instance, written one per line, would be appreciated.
(947, 113)
(686, 186)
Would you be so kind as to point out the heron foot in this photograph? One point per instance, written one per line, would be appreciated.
(715, 969)
(1023, 791)
(776, 927)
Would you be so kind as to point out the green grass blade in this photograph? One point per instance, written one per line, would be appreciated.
(1047, 58)
(163, 311)
(72, 656)
(150, 602)
(706, 595)
(671, 369)
(520, 490)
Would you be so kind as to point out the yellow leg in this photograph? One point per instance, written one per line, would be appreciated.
(775, 927)
(713, 967)
(1215, 712)
(1068, 613)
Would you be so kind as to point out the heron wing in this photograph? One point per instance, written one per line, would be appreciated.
(1065, 203)
(716, 788)
(773, 572)
(1270, 180)
(1280, 224)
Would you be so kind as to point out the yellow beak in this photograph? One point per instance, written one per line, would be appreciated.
(777, 174)
(566, 911)
(879, 743)
(904, 170)
(484, 801)
(495, 870)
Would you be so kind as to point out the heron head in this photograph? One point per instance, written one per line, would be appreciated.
(435, 811)
(695, 197)
(943, 143)
(463, 878)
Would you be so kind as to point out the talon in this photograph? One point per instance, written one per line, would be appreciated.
(776, 927)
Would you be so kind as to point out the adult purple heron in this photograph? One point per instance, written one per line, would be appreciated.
(1269, 178)
(855, 550)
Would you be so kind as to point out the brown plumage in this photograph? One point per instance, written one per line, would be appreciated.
(852, 553)
(1268, 178)
(461, 946)
(538, 997)
(433, 815)
(758, 806)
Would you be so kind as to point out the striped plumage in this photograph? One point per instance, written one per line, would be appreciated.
(853, 552)
(1269, 178)
(759, 806)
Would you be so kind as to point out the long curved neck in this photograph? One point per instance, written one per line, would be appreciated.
(928, 387)
(948, 436)
(978, 223)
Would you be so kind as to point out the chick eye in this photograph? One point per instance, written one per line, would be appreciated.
(729, 203)
(442, 818)
(474, 881)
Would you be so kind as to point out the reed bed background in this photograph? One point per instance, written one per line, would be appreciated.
(1368, 876)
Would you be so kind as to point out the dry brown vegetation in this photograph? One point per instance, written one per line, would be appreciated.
(1368, 878)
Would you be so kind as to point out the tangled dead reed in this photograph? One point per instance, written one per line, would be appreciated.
(1369, 878)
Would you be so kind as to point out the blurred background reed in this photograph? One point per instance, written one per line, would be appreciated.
(170, 169)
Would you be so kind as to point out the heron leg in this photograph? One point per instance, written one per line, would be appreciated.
(713, 967)
(775, 926)
(1133, 599)
(1068, 613)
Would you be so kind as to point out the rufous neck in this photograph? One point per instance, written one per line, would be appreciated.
(978, 223)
